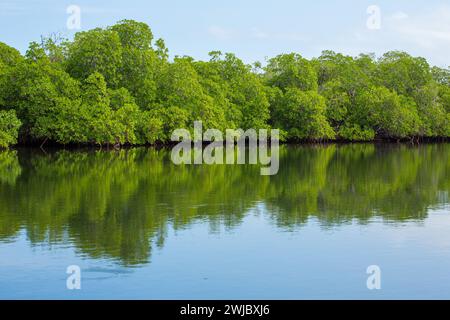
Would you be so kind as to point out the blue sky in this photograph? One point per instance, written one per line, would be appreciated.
(253, 29)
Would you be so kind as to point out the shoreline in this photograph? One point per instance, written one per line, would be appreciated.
(56, 146)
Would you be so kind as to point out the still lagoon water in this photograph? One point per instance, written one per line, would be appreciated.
(140, 227)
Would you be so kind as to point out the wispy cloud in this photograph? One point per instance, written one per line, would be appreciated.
(425, 33)
(428, 30)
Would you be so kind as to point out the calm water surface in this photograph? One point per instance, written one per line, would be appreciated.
(140, 227)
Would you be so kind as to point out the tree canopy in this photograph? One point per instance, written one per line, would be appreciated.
(117, 85)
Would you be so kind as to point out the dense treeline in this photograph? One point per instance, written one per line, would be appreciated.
(123, 203)
(118, 86)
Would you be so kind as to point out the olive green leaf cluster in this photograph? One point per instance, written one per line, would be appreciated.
(9, 128)
(116, 85)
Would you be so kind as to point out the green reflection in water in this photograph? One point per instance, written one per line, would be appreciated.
(120, 204)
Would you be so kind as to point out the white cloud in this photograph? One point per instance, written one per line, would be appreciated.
(429, 30)
(425, 33)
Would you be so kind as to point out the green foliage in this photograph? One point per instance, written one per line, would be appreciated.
(149, 129)
(181, 88)
(139, 60)
(96, 50)
(338, 102)
(291, 71)
(441, 76)
(405, 74)
(235, 89)
(9, 57)
(10, 168)
(124, 123)
(432, 110)
(302, 115)
(350, 73)
(116, 85)
(9, 128)
(354, 132)
(169, 118)
(396, 115)
(119, 97)
(41, 95)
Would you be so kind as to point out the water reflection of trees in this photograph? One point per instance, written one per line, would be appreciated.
(120, 204)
